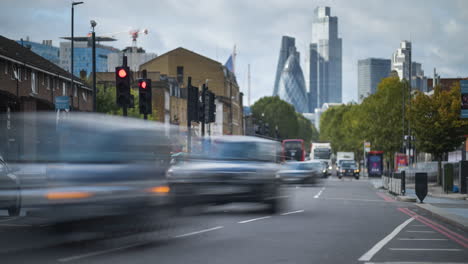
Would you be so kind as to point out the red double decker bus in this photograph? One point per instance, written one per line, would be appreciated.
(293, 150)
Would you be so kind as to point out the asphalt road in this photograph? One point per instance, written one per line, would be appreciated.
(342, 221)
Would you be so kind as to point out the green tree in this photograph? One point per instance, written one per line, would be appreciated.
(106, 103)
(276, 112)
(435, 121)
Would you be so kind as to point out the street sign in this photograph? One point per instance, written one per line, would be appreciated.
(367, 146)
(62, 103)
(464, 98)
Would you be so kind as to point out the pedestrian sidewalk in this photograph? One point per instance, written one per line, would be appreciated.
(452, 208)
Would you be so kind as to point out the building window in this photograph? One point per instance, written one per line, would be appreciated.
(64, 89)
(180, 74)
(26, 71)
(43, 78)
(85, 97)
(33, 82)
(6, 67)
(48, 82)
(75, 91)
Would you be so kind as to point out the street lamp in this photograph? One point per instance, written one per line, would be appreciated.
(72, 39)
(93, 25)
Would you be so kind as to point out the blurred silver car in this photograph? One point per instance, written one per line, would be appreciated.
(229, 169)
(89, 166)
(10, 192)
(301, 172)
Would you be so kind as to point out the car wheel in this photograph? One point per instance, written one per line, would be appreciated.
(357, 177)
(273, 206)
(16, 209)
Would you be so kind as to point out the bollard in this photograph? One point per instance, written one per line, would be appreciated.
(448, 177)
(403, 183)
(421, 185)
(463, 176)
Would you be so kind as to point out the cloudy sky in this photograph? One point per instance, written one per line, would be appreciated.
(369, 28)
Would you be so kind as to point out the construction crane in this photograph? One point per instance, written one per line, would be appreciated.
(134, 34)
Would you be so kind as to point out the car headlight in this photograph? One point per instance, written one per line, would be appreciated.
(356, 170)
(324, 171)
(343, 170)
(330, 168)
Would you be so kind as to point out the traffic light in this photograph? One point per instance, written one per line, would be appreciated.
(122, 82)
(192, 103)
(145, 94)
(211, 107)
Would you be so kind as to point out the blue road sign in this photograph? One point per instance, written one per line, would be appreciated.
(62, 103)
(464, 98)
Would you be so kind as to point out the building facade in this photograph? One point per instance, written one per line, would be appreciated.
(135, 58)
(401, 60)
(371, 71)
(30, 83)
(291, 86)
(181, 63)
(418, 80)
(325, 60)
(45, 50)
(83, 56)
(288, 46)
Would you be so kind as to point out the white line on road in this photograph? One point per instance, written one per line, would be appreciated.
(420, 225)
(254, 219)
(199, 232)
(352, 199)
(293, 212)
(377, 247)
(426, 249)
(417, 231)
(319, 193)
(97, 253)
(424, 239)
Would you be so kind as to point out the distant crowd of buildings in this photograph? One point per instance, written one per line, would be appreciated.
(107, 57)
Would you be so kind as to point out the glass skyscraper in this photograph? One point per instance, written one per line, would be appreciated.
(289, 82)
(45, 50)
(371, 71)
(325, 61)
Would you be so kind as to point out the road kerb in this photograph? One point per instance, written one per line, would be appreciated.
(403, 198)
(455, 220)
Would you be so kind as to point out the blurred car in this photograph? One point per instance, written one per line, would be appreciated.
(92, 166)
(10, 193)
(348, 168)
(231, 169)
(306, 172)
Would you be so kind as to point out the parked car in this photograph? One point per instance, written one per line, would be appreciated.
(10, 190)
(348, 168)
(307, 172)
(232, 169)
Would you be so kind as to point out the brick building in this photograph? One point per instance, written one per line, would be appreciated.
(180, 64)
(30, 83)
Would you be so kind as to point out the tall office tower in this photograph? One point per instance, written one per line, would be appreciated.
(325, 63)
(371, 71)
(401, 60)
(288, 44)
(289, 83)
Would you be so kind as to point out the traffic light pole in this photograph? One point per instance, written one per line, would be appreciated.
(203, 118)
(125, 105)
(189, 121)
(143, 75)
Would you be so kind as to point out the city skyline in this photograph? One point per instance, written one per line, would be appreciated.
(374, 31)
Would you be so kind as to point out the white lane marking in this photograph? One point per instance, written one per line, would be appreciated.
(101, 252)
(377, 247)
(420, 225)
(424, 239)
(352, 199)
(417, 231)
(293, 212)
(254, 219)
(319, 193)
(426, 249)
(199, 232)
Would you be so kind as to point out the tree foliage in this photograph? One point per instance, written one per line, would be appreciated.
(277, 112)
(106, 103)
(436, 121)
(379, 119)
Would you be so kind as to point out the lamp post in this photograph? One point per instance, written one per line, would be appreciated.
(72, 40)
(93, 25)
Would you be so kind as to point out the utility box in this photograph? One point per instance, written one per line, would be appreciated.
(448, 178)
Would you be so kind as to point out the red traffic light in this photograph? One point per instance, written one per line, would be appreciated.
(122, 73)
(143, 84)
